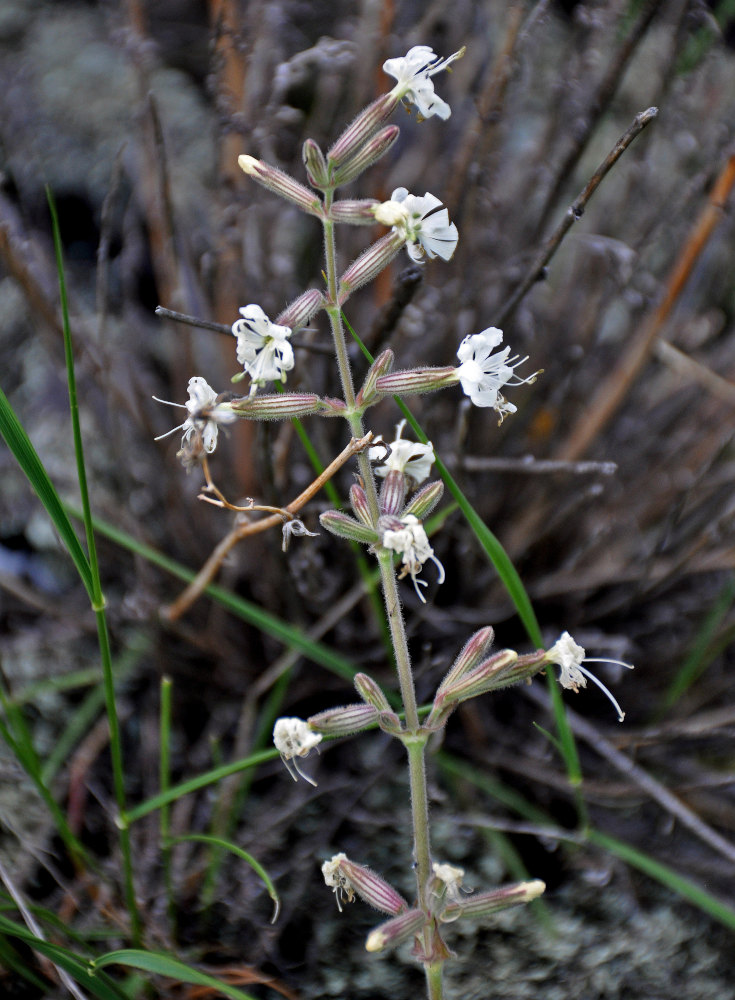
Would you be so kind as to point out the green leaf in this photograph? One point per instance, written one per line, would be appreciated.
(666, 876)
(27, 458)
(172, 968)
(227, 845)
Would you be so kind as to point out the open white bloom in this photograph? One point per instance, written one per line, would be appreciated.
(482, 373)
(413, 72)
(569, 656)
(411, 540)
(205, 415)
(263, 348)
(426, 230)
(409, 457)
(294, 738)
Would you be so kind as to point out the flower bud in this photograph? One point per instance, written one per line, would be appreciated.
(300, 311)
(415, 380)
(347, 527)
(484, 904)
(371, 693)
(488, 676)
(393, 492)
(359, 504)
(472, 653)
(277, 406)
(381, 366)
(424, 500)
(369, 265)
(347, 877)
(344, 721)
(281, 183)
(359, 131)
(395, 931)
(316, 165)
(370, 153)
(356, 213)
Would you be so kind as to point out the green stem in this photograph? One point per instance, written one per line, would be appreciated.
(415, 740)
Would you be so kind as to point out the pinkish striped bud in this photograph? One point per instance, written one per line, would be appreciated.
(359, 131)
(316, 165)
(359, 504)
(277, 406)
(347, 527)
(488, 676)
(355, 213)
(394, 932)
(472, 653)
(484, 904)
(348, 878)
(416, 380)
(393, 492)
(371, 692)
(369, 265)
(300, 311)
(424, 500)
(370, 153)
(381, 366)
(344, 721)
(281, 183)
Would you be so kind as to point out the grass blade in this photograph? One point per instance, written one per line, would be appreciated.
(171, 968)
(227, 845)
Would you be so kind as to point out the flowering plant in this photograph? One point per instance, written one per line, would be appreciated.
(390, 520)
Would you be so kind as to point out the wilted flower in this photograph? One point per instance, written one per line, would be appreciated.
(346, 878)
(483, 373)
(409, 457)
(413, 72)
(569, 656)
(294, 738)
(205, 415)
(337, 880)
(262, 347)
(409, 538)
(450, 879)
(425, 229)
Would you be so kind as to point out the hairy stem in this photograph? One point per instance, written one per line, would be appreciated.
(415, 740)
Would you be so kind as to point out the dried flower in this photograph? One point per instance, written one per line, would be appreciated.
(422, 222)
(337, 880)
(411, 458)
(201, 427)
(482, 373)
(262, 347)
(294, 738)
(414, 72)
(295, 528)
(569, 656)
(407, 536)
(449, 879)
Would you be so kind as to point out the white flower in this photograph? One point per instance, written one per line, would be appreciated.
(412, 542)
(569, 656)
(483, 373)
(262, 347)
(409, 457)
(294, 738)
(205, 415)
(337, 880)
(414, 72)
(425, 229)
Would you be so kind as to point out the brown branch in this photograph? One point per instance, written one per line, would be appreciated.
(574, 214)
(243, 530)
(616, 386)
